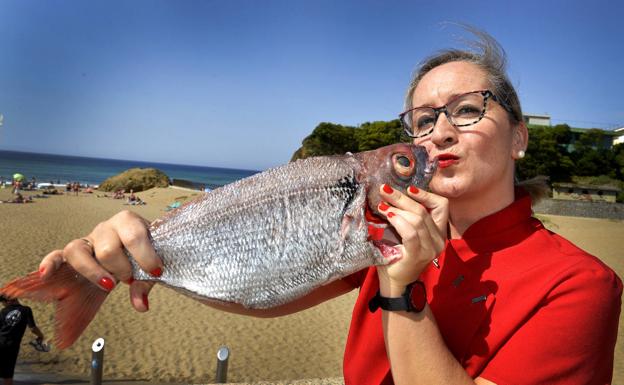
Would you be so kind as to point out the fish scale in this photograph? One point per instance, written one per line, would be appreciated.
(265, 250)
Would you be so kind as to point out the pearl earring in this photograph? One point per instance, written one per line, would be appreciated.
(521, 154)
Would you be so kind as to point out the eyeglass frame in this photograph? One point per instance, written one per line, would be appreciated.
(487, 94)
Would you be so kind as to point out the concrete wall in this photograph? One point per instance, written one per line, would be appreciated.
(583, 194)
(580, 209)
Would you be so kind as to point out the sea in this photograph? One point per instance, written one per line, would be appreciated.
(61, 169)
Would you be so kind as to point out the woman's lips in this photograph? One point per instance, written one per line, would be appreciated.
(447, 160)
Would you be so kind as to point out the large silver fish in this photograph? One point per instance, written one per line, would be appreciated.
(261, 242)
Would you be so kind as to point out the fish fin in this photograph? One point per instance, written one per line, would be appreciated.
(76, 299)
(345, 226)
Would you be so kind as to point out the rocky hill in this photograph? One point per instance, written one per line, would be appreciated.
(137, 179)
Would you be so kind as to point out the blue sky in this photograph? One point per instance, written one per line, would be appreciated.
(241, 83)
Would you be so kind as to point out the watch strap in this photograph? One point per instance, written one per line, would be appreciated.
(403, 303)
(392, 304)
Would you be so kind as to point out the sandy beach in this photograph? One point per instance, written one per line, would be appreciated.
(177, 340)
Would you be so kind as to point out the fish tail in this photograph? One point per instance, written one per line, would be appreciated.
(77, 300)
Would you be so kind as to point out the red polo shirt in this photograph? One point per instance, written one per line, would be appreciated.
(515, 303)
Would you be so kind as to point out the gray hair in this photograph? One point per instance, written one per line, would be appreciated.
(488, 55)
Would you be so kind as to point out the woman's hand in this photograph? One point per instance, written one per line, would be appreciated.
(100, 256)
(420, 219)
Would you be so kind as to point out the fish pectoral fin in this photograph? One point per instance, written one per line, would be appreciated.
(345, 227)
(77, 300)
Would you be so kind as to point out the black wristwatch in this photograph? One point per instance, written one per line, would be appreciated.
(413, 299)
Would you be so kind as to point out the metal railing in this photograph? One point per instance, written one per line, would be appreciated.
(97, 363)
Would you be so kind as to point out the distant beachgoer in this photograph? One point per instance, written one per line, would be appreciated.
(1, 182)
(14, 318)
(19, 198)
(136, 202)
(17, 187)
(52, 191)
(482, 292)
(134, 199)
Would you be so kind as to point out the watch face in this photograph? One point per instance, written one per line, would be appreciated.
(418, 296)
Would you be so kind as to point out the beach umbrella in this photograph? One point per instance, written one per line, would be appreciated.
(18, 177)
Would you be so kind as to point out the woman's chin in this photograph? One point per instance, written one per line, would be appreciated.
(447, 188)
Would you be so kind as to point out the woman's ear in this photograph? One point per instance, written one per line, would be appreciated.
(520, 140)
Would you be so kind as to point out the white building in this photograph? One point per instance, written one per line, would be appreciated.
(619, 138)
(539, 120)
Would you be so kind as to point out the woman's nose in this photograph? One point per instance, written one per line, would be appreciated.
(444, 133)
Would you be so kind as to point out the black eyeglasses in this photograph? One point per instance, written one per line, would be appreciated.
(461, 111)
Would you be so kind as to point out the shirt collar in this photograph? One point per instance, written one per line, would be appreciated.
(498, 230)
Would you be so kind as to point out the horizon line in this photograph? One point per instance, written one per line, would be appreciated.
(128, 160)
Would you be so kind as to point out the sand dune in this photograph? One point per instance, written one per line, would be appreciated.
(178, 338)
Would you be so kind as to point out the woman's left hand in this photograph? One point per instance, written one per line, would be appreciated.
(420, 218)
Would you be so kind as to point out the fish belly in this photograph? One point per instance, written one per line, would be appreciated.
(268, 239)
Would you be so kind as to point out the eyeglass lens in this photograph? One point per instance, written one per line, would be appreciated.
(465, 110)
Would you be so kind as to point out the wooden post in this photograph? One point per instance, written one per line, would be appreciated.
(97, 361)
(222, 364)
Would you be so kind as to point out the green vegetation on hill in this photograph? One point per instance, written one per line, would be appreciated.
(567, 154)
(137, 179)
(332, 139)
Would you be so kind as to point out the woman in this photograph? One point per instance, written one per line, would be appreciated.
(494, 298)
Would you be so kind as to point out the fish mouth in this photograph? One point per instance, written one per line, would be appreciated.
(389, 250)
(383, 237)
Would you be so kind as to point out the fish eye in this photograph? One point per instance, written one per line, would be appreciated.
(403, 161)
(403, 165)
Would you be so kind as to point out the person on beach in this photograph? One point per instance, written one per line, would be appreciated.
(483, 294)
(17, 187)
(19, 198)
(14, 318)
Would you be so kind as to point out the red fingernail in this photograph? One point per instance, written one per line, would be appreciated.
(41, 270)
(129, 280)
(390, 214)
(387, 189)
(383, 206)
(145, 301)
(107, 283)
(413, 190)
(157, 272)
